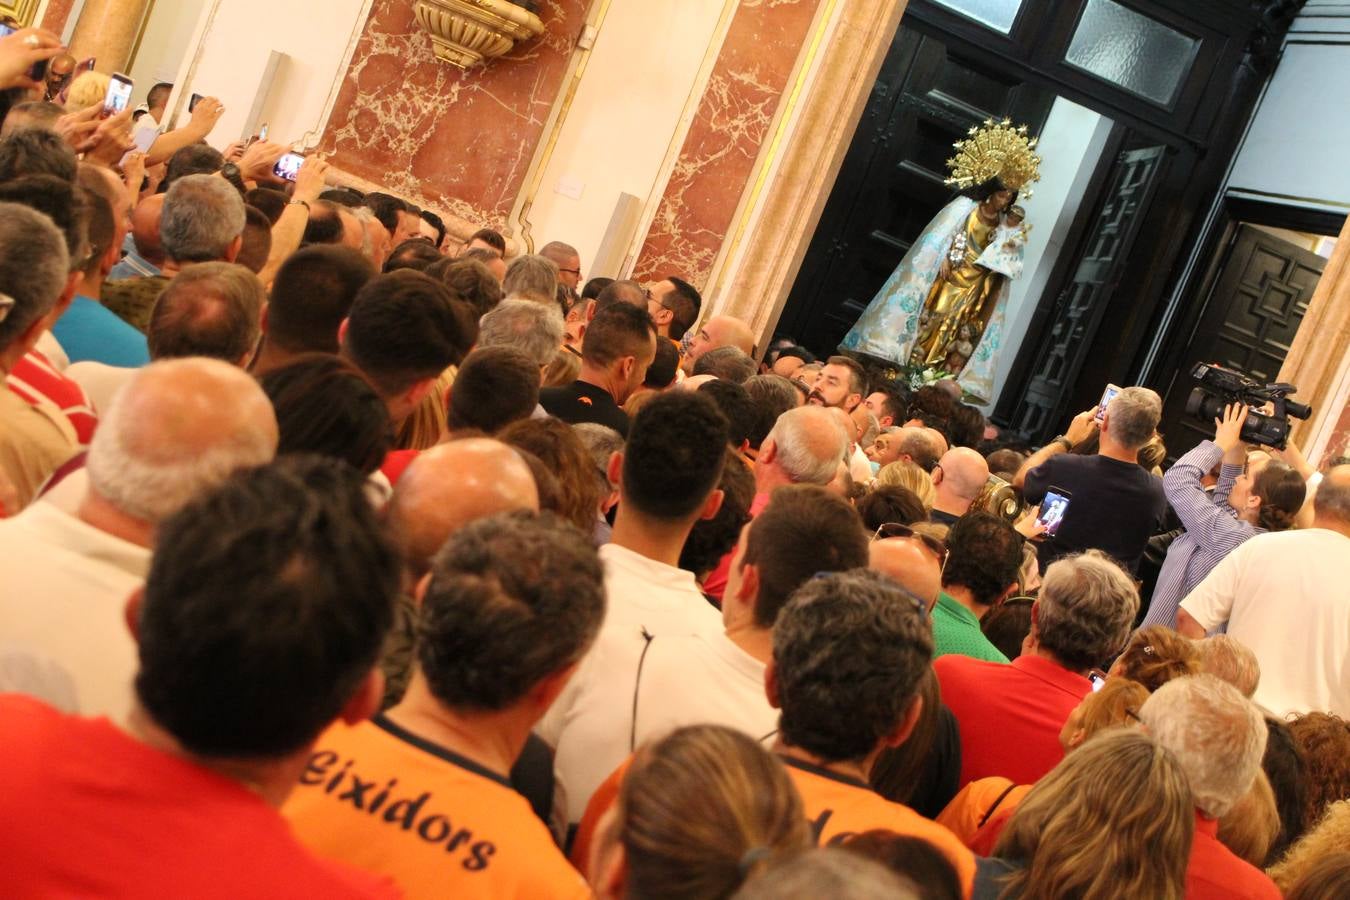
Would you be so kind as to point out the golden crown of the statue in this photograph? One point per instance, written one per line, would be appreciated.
(998, 150)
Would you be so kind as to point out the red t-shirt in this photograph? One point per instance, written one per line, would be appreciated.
(86, 810)
(34, 376)
(716, 582)
(1217, 873)
(1009, 716)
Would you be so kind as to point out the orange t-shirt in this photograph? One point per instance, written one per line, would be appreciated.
(839, 807)
(979, 801)
(379, 797)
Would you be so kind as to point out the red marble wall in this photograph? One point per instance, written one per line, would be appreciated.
(58, 11)
(719, 153)
(426, 130)
(1339, 445)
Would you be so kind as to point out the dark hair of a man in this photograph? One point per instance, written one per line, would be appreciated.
(1007, 625)
(210, 310)
(772, 395)
(271, 202)
(623, 291)
(324, 226)
(312, 294)
(159, 94)
(324, 405)
(490, 237)
(386, 209)
(513, 599)
(545, 482)
(99, 228)
(805, 529)
(494, 387)
(896, 402)
(57, 199)
(344, 197)
(966, 426)
(727, 364)
(256, 245)
(435, 222)
(1287, 771)
(916, 859)
(890, 503)
(483, 255)
(933, 406)
(857, 378)
(665, 365)
(618, 331)
(36, 151)
(592, 288)
(220, 669)
(711, 539)
(565, 456)
(415, 253)
(735, 404)
(850, 650)
(194, 159)
(690, 293)
(984, 556)
(404, 328)
(470, 280)
(673, 459)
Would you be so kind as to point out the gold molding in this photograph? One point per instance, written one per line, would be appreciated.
(466, 33)
(21, 10)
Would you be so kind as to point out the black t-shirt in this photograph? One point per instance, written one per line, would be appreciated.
(583, 402)
(1115, 506)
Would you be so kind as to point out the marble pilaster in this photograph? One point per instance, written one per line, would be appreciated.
(107, 31)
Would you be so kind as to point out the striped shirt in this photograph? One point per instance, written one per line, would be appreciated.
(1213, 529)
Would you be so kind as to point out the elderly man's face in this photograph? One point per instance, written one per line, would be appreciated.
(885, 449)
(832, 389)
(569, 271)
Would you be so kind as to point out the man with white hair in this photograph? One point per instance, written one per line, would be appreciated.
(957, 480)
(177, 429)
(1219, 737)
(1010, 715)
(805, 446)
(1115, 505)
(535, 328)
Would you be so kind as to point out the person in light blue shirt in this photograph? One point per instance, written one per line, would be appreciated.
(144, 252)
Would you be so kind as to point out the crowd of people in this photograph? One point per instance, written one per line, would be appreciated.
(344, 555)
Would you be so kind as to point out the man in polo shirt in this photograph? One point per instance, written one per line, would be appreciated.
(499, 643)
(618, 347)
(668, 475)
(850, 651)
(179, 428)
(230, 697)
(144, 249)
(984, 557)
(1010, 716)
(1219, 738)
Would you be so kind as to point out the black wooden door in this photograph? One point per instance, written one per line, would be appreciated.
(1258, 303)
(1077, 312)
(928, 95)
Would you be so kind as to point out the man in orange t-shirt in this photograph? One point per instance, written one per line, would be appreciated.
(422, 794)
(849, 652)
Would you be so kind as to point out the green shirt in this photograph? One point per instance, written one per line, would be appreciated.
(956, 632)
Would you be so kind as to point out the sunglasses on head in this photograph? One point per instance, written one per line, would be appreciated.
(897, 530)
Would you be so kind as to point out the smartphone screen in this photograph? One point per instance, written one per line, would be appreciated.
(119, 95)
(1053, 508)
(288, 166)
(1107, 396)
(192, 103)
(262, 132)
(6, 30)
(1098, 680)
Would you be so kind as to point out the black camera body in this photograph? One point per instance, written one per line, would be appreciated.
(1220, 387)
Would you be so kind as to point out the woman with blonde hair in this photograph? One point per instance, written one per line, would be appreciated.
(87, 89)
(1250, 828)
(907, 475)
(564, 369)
(1155, 655)
(700, 812)
(1114, 819)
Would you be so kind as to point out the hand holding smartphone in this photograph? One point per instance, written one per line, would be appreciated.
(1107, 396)
(118, 96)
(1053, 508)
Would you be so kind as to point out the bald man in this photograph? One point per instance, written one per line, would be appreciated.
(176, 431)
(959, 477)
(908, 444)
(567, 259)
(909, 562)
(719, 331)
(147, 257)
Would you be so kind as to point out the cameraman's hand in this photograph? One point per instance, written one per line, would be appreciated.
(1228, 430)
(1083, 426)
(258, 161)
(20, 51)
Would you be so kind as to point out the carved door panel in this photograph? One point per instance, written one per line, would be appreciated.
(928, 95)
(1079, 308)
(1258, 303)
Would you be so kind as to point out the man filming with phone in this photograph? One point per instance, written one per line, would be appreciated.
(1116, 505)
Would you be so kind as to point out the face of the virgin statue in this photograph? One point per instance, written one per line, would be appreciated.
(1000, 200)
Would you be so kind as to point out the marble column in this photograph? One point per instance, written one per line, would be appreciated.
(58, 11)
(107, 30)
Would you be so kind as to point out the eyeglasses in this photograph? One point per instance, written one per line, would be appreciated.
(576, 272)
(897, 530)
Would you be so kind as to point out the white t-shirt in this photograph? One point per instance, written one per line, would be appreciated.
(590, 725)
(63, 591)
(100, 381)
(1287, 597)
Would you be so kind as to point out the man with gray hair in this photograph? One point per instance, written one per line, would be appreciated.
(1285, 596)
(1115, 505)
(1219, 737)
(1010, 715)
(202, 221)
(178, 429)
(536, 328)
(34, 270)
(532, 277)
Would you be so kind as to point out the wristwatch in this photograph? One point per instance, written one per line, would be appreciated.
(1068, 444)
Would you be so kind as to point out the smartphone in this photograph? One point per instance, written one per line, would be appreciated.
(118, 96)
(262, 132)
(82, 67)
(1053, 508)
(288, 166)
(1098, 680)
(1107, 396)
(193, 101)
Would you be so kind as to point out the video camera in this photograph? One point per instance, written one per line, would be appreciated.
(1220, 387)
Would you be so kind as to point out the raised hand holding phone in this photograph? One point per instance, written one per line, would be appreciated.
(118, 97)
(258, 161)
(1083, 426)
(310, 179)
(21, 52)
